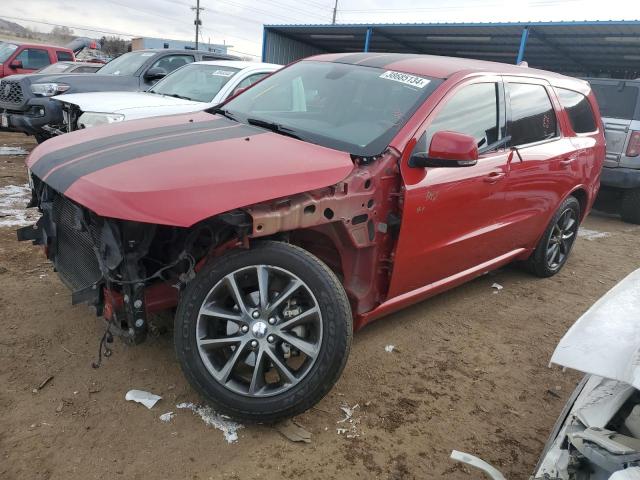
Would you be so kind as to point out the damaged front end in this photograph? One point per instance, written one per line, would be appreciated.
(129, 271)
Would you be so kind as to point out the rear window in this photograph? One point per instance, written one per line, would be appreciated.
(533, 118)
(578, 109)
(616, 100)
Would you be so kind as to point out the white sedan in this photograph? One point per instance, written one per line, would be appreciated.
(191, 88)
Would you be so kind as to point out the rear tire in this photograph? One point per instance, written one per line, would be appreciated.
(554, 247)
(630, 206)
(263, 334)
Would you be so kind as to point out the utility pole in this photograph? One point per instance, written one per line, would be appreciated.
(197, 22)
(335, 10)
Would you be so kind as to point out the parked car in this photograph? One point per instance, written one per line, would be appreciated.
(335, 191)
(619, 102)
(72, 67)
(20, 58)
(597, 435)
(194, 87)
(26, 99)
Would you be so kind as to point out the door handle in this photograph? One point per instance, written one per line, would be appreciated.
(493, 177)
(566, 162)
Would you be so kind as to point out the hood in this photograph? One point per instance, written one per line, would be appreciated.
(181, 169)
(120, 102)
(605, 341)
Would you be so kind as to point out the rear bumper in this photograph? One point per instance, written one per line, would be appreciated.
(37, 113)
(620, 178)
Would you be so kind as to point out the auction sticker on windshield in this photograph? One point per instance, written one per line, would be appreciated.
(222, 73)
(405, 78)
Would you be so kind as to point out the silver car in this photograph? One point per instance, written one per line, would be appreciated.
(619, 102)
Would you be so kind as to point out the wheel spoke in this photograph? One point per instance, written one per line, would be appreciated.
(235, 292)
(214, 343)
(257, 378)
(569, 221)
(285, 294)
(568, 234)
(217, 312)
(308, 348)
(286, 375)
(263, 285)
(551, 252)
(223, 374)
(304, 317)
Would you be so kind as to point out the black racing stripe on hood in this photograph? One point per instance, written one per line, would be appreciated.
(65, 176)
(51, 160)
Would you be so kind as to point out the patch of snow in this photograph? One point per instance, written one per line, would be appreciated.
(13, 202)
(389, 348)
(592, 234)
(4, 150)
(167, 417)
(213, 419)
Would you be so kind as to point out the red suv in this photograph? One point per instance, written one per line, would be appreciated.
(27, 58)
(338, 190)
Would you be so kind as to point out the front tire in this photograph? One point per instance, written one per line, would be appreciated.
(630, 206)
(263, 334)
(554, 247)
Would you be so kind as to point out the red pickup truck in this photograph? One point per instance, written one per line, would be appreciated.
(27, 58)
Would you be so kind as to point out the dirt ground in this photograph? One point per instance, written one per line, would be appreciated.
(470, 372)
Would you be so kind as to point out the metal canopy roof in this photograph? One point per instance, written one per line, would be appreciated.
(596, 48)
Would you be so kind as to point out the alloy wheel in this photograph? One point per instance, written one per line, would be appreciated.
(561, 239)
(259, 331)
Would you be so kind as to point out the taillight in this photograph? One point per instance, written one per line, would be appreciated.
(633, 149)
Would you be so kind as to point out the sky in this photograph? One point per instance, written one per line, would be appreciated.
(239, 22)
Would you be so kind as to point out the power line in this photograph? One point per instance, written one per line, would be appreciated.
(77, 27)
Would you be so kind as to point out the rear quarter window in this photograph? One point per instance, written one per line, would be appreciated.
(616, 100)
(533, 118)
(578, 110)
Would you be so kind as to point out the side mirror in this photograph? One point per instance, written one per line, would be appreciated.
(155, 73)
(16, 64)
(447, 149)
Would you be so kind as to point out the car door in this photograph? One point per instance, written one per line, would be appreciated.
(541, 170)
(32, 59)
(452, 217)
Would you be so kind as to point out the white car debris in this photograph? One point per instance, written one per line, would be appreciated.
(4, 150)
(228, 427)
(145, 398)
(496, 287)
(597, 436)
(389, 348)
(167, 417)
(192, 88)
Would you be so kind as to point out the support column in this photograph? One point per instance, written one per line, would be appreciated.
(367, 39)
(523, 44)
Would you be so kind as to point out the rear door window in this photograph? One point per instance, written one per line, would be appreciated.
(533, 118)
(33, 58)
(616, 100)
(578, 110)
(64, 56)
(173, 62)
(474, 110)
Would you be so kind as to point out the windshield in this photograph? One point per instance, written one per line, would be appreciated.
(200, 83)
(6, 49)
(616, 100)
(55, 68)
(346, 107)
(127, 64)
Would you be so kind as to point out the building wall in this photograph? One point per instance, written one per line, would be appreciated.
(147, 42)
(277, 48)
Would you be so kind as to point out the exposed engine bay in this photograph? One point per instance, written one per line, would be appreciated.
(600, 436)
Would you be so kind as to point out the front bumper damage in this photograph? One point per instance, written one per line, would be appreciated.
(36, 117)
(127, 271)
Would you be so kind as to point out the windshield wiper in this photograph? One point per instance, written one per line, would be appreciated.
(223, 112)
(274, 127)
(175, 95)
